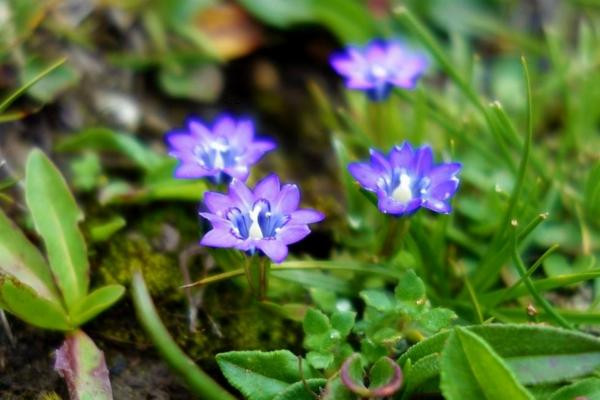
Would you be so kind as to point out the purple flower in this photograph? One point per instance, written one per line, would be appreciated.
(229, 148)
(379, 66)
(407, 179)
(266, 218)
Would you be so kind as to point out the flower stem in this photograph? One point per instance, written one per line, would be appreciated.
(397, 228)
(376, 112)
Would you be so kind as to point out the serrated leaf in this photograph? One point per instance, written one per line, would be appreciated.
(96, 302)
(343, 321)
(410, 287)
(315, 322)
(302, 390)
(261, 375)
(22, 260)
(24, 303)
(378, 299)
(536, 354)
(470, 369)
(588, 389)
(56, 217)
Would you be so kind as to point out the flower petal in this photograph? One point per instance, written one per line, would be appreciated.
(379, 161)
(388, 205)
(288, 199)
(267, 188)
(216, 221)
(256, 150)
(443, 172)
(292, 234)
(242, 134)
(444, 190)
(437, 206)
(199, 130)
(219, 238)
(239, 172)
(224, 126)
(275, 249)
(188, 170)
(305, 216)
(240, 193)
(401, 156)
(218, 203)
(423, 160)
(365, 174)
(180, 140)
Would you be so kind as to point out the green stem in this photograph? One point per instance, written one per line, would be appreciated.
(396, 229)
(304, 265)
(198, 381)
(376, 121)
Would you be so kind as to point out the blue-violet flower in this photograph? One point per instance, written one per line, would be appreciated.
(228, 149)
(379, 66)
(407, 179)
(266, 218)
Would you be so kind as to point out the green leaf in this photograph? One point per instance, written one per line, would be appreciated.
(336, 390)
(22, 261)
(96, 302)
(202, 82)
(23, 302)
(536, 354)
(105, 139)
(423, 371)
(319, 360)
(56, 217)
(300, 390)
(435, 319)
(378, 299)
(343, 321)
(410, 287)
(315, 322)
(261, 375)
(588, 389)
(82, 365)
(470, 369)
(349, 20)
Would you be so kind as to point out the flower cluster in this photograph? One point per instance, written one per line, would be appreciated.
(226, 150)
(378, 67)
(407, 179)
(268, 218)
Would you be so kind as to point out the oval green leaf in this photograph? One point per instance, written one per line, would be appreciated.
(56, 217)
(470, 369)
(96, 302)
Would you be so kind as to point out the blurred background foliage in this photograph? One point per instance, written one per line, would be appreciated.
(99, 82)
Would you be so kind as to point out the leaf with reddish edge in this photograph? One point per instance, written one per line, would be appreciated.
(82, 366)
(385, 376)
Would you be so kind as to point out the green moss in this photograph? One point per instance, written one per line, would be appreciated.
(127, 253)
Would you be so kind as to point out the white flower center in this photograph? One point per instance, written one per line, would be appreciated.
(255, 233)
(403, 193)
(378, 71)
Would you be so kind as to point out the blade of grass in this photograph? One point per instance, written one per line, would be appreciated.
(305, 265)
(543, 285)
(198, 381)
(501, 296)
(487, 272)
(17, 93)
(532, 290)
